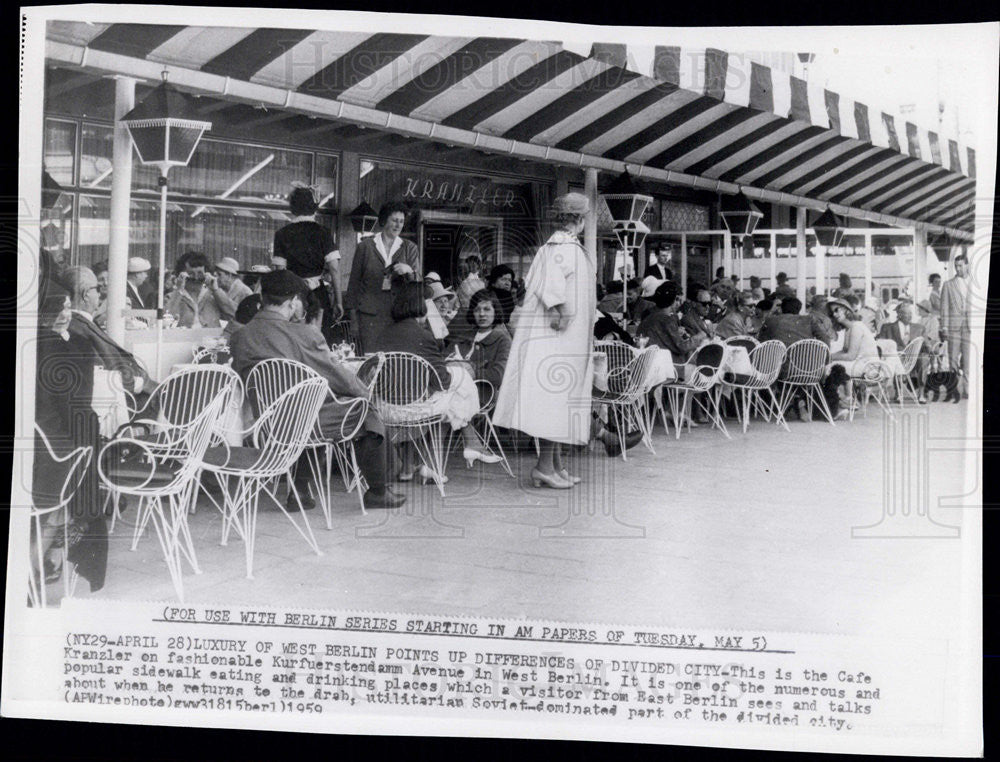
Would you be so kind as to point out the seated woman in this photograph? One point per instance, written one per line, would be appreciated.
(64, 387)
(859, 341)
(662, 327)
(456, 395)
(488, 349)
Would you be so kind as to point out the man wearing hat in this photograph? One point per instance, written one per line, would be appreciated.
(227, 271)
(818, 310)
(138, 274)
(278, 331)
(440, 307)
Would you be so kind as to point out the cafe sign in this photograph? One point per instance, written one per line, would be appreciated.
(462, 191)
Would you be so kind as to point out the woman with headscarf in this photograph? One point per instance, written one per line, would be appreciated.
(546, 390)
(501, 283)
(378, 261)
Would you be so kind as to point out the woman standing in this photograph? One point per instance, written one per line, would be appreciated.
(306, 248)
(501, 283)
(546, 388)
(379, 260)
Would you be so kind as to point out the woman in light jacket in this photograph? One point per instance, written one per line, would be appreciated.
(378, 261)
(546, 390)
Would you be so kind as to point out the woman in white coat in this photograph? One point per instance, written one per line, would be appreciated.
(546, 388)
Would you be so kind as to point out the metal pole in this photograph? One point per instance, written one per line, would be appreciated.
(163, 265)
(684, 264)
(919, 261)
(774, 259)
(868, 267)
(727, 257)
(121, 192)
(590, 227)
(800, 251)
(820, 269)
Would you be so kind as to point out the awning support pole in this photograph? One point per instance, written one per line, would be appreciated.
(800, 252)
(121, 198)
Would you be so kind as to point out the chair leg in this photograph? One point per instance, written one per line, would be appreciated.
(166, 533)
(307, 535)
(490, 436)
(141, 520)
(816, 392)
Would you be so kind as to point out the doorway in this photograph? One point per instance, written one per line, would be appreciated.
(447, 239)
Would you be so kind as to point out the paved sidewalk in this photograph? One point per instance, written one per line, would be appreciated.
(755, 532)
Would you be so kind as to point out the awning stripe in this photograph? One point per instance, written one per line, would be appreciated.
(861, 122)
(832, 101)
(971, 154)
(570, 103)
(892, 180)
(595, 110)
(512, 90)
(761, 91)
(137, 40)
(767, 154)
(839, 178)
(932, 137)
(309, 57)
(195, 46)
(660, 109)
(846, 155)
(716, 67)
(401, 71)
(617, 116)
(699, 139)
(947, 195)
(927, 188)
(254, 52)
(701, 161)
(443, 75)
(779, 166)
(359, 62)
(680, 132)
(868, 177)
(665, 126)
(924, 177)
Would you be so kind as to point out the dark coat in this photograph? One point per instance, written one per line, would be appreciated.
(364, 289)
(489, 356)
(109, 354)
(416, 338)
(791, 328)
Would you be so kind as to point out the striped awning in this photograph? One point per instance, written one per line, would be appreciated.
(706, 118)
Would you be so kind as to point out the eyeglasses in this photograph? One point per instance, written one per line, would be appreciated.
(704, 304)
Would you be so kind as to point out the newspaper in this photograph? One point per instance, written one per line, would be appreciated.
(790, 587)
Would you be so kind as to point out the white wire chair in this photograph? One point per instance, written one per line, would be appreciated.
(267, 381)
(164, 485)
(908, 359)
(875, 379)
(702, 374)
(747, 342)
(618, 352)
(172, 406)
(279, 436)
(626, 398)
(483, 422)
(76, 462)
(400, 383)
(755, 391)
(211, 354)
(803, 371)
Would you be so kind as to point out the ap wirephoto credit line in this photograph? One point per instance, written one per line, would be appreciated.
(422, 375)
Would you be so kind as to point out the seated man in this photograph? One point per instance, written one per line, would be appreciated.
(790, 326)
(694, 315)
(636, 308)
(662, 328)
(902, 332)
(84, 296)
(232, 290)
(817, 309)
(277, 331)
(198, 300)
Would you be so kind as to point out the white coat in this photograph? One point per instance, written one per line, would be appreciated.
(547, 385)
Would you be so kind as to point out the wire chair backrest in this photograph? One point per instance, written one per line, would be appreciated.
(747, 342)
(184, 395)
(908, 357)
(269, 379)
(619, 353)
(402, 379)
(80, 458)
(628, 381)
(198, 436)
(286, 425)
(806, 361)
(767, 359)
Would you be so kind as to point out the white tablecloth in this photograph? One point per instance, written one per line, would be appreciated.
(736, 360)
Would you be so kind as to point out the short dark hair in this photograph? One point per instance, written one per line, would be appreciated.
(765, 304)
(388, 209)
(301, 202)
(754, 280)
(182, 261)
(484, 295)
(720, 272)
(791, 306)
(196, 259)
(933, 277)
(100, 267)
(781, 277)
(666, 294)
(498, 272)
(963, 257)
(408, 301)
(314, 307)
(273, 300)
(634, 284)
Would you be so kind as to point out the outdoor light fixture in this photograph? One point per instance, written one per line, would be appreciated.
(165, 131)
(740, 215)
(627, 202)
(829, 229)
(364, 219)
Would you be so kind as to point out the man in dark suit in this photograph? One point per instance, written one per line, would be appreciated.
(790, 326)
(85, 298)
(277, 331)
(903, 330)
(659, 269)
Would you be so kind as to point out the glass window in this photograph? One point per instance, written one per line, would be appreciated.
(96, 145)
(850, 246)
(216, 231)
(327, 171)
(761, 247)
(786, 245)
(57, 229)
(59, 150)
(889, 245)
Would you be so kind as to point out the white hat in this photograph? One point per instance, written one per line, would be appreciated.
(649, 285)
(437, 290)
(432, 277)
(228, 265)
(138, 265)
(259, 269)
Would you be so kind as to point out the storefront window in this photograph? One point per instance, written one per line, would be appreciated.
(889, 245)
(762, 247)
(786, 246)
(96, 145)
(59, 150)
(682, 215)
(216, 231)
